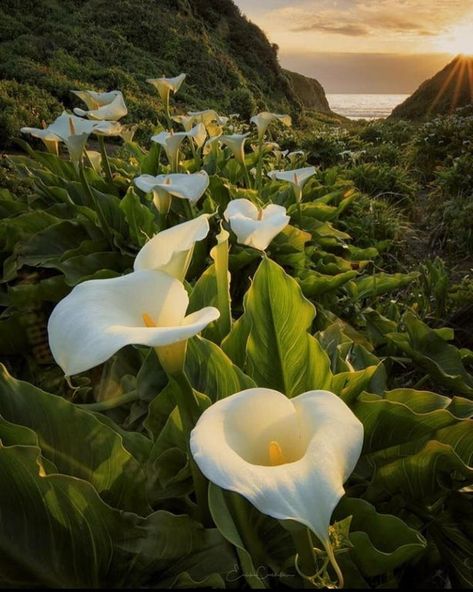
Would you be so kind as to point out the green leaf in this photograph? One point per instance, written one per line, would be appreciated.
(56, 532)
(139, 217)
(430, 351)
(281, 354)
(380, 283)
(381, 542)
(76, 442)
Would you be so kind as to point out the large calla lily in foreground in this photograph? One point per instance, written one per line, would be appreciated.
(288, 457)
(171, 250)
(254, 226)
(99, 317)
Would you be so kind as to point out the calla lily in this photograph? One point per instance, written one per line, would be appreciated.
(74, 132)
(255, 227)
(99, 317)
(102, 106)
(95, 159)
(262, 121)
(190, 187)
(187, 121)
(288, 457)
(166, 86)
(171, 250)
(297, 178)
(171, 142)
(211, 120)
(236, 143)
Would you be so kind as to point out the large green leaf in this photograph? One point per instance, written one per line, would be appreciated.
(56, 532)
(280, 353)
(381, 542)
(432, 353)
(76, 442)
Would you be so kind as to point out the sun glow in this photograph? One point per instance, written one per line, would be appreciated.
(459, 39)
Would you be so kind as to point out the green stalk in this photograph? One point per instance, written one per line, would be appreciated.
(110, 403)
(259, 166)
(307, 561)
(105, 161)
(219, 254)
(96, 205)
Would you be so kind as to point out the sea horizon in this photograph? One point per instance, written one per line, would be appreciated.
(365, 105)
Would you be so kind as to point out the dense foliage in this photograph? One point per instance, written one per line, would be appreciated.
(51, 47)
(96, 476)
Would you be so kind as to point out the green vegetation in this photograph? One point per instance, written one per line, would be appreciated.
(52, 46)
(98, 488)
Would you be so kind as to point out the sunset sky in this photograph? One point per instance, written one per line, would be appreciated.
(386, 46)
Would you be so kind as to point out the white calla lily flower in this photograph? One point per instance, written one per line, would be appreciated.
(95, 159)
(288, 457)
(73, 131)
(102, 106)
(183, 186)
(171, 250)
(171, 142)
(99, 317)
(211, 120)
(255, 227)
(187, 121)
(166, 86)
(263, 120)
(236, 143)
(297, 178)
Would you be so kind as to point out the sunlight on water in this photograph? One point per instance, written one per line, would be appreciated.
(358, 106)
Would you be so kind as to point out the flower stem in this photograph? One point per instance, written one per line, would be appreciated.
(259, 166)
(105, 161)
(110, 403)
(96, 205)
(307, 560)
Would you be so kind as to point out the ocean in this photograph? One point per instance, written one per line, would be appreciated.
(359, 106)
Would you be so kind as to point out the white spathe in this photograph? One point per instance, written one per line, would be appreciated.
(262, 121)
(255, 227)
(99, 317)
(102, 106)
(236, 144)
(185, 186)
(171, 250)
(165, 86)
(288, 457)
(73, 131)
(171, 142)
(298, 178)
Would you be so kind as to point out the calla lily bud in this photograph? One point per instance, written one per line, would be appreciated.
(255, 227)
(288, 457)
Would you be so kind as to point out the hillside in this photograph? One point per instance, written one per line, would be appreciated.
(48, 47)
(449, 89)
(309, 91)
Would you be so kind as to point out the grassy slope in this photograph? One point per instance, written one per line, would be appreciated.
(50, 46)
